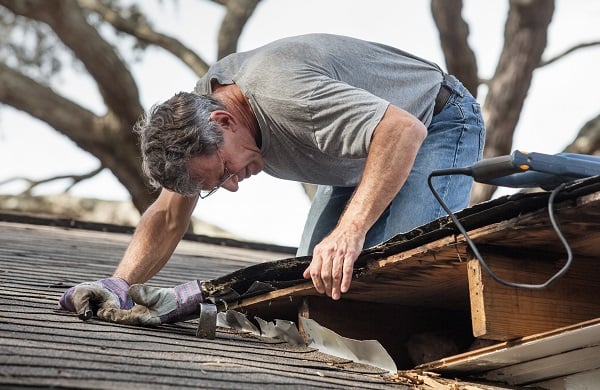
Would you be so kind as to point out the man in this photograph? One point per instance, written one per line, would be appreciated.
(364, 121)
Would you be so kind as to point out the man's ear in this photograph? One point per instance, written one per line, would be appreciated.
(222, 117)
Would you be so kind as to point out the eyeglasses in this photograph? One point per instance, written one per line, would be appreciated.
(226, 176)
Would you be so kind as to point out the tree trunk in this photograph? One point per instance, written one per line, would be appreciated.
(454, 33)
(525, 38)
(237, 14)
(588, 139)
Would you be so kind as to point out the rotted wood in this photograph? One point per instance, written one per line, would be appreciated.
(427, 268)
(432, 275)
(524, 249)
(578, 218)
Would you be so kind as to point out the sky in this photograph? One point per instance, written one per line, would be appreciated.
(562, 98)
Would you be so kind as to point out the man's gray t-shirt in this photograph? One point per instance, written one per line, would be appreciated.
(318, 98)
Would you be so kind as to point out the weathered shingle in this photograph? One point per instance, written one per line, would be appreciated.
(41, 346)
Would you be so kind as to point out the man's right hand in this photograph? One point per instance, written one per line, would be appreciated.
(332, 263)
(104, 294)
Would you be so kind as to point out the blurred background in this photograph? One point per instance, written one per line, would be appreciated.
(76, 74)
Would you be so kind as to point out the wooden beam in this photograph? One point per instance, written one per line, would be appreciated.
(500, 312)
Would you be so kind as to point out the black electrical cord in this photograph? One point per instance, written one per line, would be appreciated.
(555, 191)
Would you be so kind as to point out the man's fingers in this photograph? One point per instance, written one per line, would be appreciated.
(333, 262)
(306, 273)
(139, 315)
(347, 276)
(318, 283)
(327, 274)
(337, 277)
(314, 272)
(81, 300)
(86, 297)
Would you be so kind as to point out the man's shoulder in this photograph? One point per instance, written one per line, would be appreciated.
(313, 39)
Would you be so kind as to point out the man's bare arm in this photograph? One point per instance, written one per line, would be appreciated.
(160, 229)
(394, 146)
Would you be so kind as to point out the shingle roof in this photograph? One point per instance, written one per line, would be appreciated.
(45, 347)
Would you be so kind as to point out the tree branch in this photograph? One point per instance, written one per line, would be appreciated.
(238, 13)
(569, 51)
(43, 103)
(108, 137)
(144, 33)
(114, 80)
(525, 39)
(588, 139)
(101, 136)
(75, 179)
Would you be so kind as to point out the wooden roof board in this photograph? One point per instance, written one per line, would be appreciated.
(435, 274)
(560, 352)
(429, 257)
(42, 346)
(578, 218)
(432, 275)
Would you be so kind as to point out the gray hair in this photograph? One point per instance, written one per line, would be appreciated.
(172, 133)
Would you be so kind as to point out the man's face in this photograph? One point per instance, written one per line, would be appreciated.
(236, 160)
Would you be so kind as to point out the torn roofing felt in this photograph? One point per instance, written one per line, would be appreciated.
(261, 278)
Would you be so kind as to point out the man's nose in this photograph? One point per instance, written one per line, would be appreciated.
(231, 184)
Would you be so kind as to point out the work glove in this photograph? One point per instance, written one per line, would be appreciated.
(155, 306)
(104, 294)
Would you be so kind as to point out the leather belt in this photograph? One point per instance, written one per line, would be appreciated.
(442, 97)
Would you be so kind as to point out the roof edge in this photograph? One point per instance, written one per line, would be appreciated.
(35, 219)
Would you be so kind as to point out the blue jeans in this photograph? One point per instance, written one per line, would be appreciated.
(455, 138)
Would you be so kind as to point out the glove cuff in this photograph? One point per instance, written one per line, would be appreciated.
(65, 302)
(120, 288)
(189, 296)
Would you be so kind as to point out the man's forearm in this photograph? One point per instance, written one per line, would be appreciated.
(159, 231)
(392, 153)
(394, 146)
